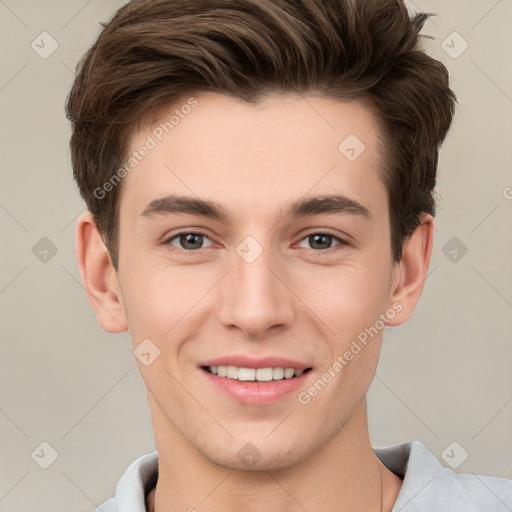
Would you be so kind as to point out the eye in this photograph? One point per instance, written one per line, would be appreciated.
(192, 241)
(189, 241)
(323, 241)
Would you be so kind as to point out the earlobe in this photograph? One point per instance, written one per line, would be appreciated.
(411, 271)
(99, 276)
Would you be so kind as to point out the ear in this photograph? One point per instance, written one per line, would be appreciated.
(99, 276)
(410, 272)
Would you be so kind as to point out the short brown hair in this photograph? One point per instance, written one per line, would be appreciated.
(154, 52)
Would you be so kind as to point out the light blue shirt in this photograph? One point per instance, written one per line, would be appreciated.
(427, 485)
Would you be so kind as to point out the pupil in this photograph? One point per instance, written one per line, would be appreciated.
(318, 238)
(189, 238)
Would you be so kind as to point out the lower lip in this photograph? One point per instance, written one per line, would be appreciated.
(253, 392)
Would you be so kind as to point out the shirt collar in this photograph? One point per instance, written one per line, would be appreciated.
(137, 481)
(427, 485)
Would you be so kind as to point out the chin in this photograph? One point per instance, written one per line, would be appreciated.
(244, 455)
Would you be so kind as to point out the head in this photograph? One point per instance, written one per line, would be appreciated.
(237, 121)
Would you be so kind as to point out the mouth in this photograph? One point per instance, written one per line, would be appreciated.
(266, 374)
(262, 381)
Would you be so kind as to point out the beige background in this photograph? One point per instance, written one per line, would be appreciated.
(443, 377)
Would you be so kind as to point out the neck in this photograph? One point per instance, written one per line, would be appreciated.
(344, 475)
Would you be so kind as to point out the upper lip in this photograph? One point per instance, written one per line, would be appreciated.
(244, 361)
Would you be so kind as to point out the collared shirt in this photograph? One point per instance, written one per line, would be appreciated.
(427, 485)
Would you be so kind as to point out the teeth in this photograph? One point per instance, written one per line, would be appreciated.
(288, 373)
(232, 372)
(278, 373)
(255, 374)
(264, 374)
(246, 374)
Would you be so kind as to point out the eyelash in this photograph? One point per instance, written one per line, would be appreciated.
(193, 252)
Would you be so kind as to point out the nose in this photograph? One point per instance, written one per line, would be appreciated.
(256, 297)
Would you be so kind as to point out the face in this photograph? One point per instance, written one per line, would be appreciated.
(286, 271)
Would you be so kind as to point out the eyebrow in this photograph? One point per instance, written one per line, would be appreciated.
(316, 205)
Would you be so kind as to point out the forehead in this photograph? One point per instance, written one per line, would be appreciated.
(216, 147)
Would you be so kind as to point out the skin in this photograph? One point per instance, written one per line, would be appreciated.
(296, 300)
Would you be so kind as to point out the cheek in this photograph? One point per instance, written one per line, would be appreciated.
(160, 299)
(347, 299)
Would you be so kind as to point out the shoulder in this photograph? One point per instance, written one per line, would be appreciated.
(492, 494)
(427, 485)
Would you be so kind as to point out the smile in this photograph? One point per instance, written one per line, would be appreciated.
(255, 374)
